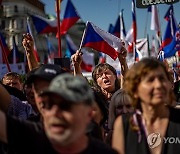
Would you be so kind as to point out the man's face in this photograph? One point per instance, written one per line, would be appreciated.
(12, 82)
(38, 86)
(65, 123)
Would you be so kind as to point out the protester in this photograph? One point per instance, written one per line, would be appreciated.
(67, 111)
(99, 116)
(28, 45)
(149, 86)
(120, 104)
(12, 79)
(40, 79)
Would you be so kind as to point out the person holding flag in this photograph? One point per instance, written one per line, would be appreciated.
(28, 45)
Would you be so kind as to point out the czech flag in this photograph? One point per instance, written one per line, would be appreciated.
(87, 57)
(116, 30)
(44, 25)
(134, 25)
(137, 54)
(100, 40)
(110, 29)
(174, 46)
(168, 13)
(70, 18)
(169, 32)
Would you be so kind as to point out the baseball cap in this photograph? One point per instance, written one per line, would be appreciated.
(71, 88)
(46, 71)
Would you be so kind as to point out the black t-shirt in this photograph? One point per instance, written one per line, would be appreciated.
(131, 137)
(26, 137)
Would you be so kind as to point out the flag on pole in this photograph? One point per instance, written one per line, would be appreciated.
(122, 27)
(100, 40)
(52, 51)
(169, 12)
(154, 51)
(137, 54)
(44, 25)
(174, 46)
(132, 33)
(70, 45)
(110, 29)
(155, 25)
(70, 17)
(30, 32)
(16, 55)
(5, 45)
(116, 29)
(134, 25)
(170, 31)
(87, 57)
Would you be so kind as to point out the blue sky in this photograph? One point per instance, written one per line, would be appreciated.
(104, 12)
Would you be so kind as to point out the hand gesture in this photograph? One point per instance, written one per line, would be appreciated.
(77, 58)
(28, 42)
(123, 53)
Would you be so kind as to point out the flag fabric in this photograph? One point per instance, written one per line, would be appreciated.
(174, 46)
(102, 57)
(137, 54)
(134, 25)
(43, 25)
(30, 32)
(155, 25)
(70, 17)
(132, 33)
(4, 45)
(170, 31)
(70, 45)
(116, 29)
(110, 29)
(100, 40)
(1, 56)
(169, 12)
(149, 9)
(122, 27)
(154, 52)
(16, 55)
(52, 51)
(87, 57)
(142, 46)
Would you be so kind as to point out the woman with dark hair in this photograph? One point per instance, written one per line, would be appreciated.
(148, 83)
(104, 77)
(120, 104)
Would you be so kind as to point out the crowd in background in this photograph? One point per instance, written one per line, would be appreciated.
(56, 110)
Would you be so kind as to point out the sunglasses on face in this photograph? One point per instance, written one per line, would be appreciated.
(48, 103)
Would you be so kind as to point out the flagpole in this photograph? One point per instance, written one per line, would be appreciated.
(5, 56)
(59, 31)
(84, 34)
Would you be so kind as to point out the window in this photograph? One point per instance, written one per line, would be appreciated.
(13, 23)
(15, 8)
(3, 24)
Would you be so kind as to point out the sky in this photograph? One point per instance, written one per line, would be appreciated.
(104, 12)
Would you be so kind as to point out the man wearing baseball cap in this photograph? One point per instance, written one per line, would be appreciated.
(67, 104)
(41, 78)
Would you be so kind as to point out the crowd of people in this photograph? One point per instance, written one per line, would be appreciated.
(56, 110)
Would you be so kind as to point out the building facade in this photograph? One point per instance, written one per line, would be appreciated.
(13, 22)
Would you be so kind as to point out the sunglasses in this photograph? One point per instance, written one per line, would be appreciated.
(48, 103)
